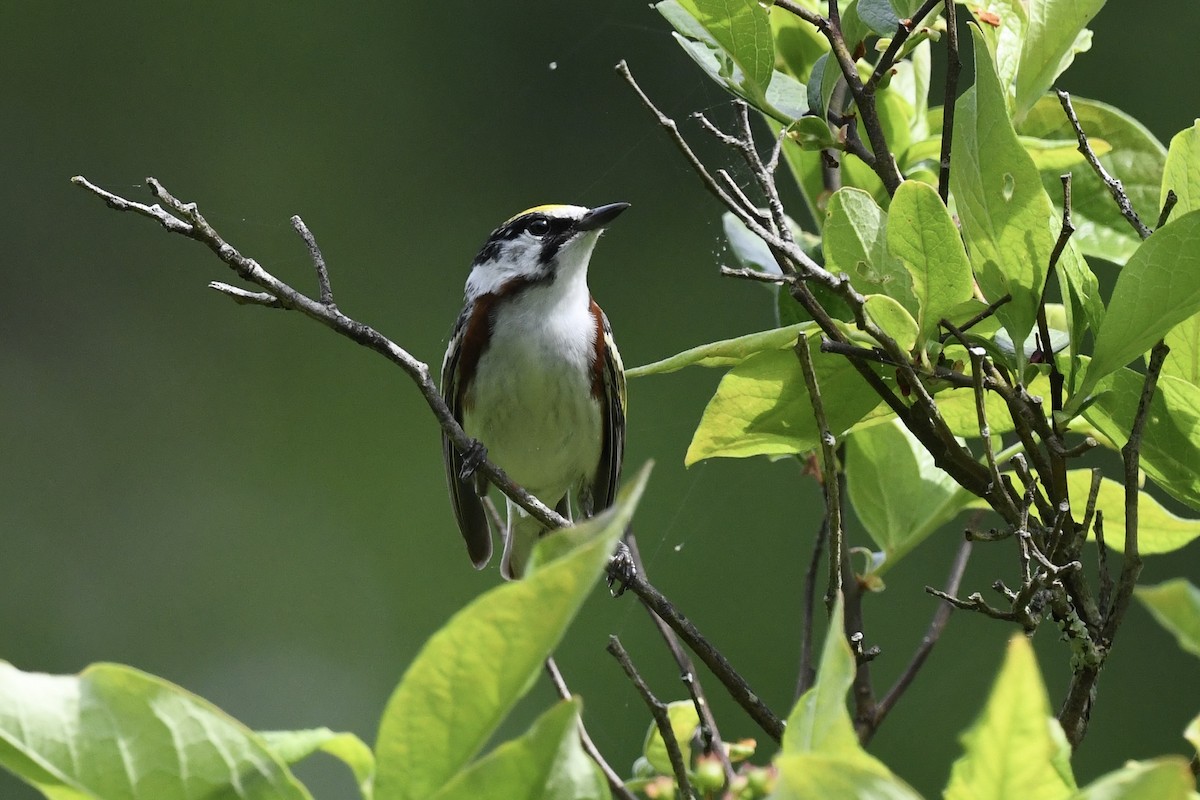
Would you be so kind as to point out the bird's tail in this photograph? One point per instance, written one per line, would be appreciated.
(520, 535)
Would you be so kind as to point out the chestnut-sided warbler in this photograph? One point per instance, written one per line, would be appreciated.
(533, 375)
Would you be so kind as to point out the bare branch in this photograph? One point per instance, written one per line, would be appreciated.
(314, 252)
(246, 298)
(614, 780)
(188, 221)
(1115, 188)
(658, 710)
(756, 275)
(807, 674)
(932, 634)
(829, 472)
(1168, 206)
(950, 97)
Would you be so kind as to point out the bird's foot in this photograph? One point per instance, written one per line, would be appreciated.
(473, 456)
(621, 570)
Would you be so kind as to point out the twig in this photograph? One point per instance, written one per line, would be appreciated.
(1168, 206)
(614, 780)
(246, 298)
(710, 733)
(980, 317)
(186, 220)
(713, 658)
(1106, 580)
(950, 97)
(1115, 188)
(932, 634)
(807, 674)
(1056, 377)
(658, 710)
(829, 469)
(756, 275)
(318, 259)
(903, 30)
(976, 355)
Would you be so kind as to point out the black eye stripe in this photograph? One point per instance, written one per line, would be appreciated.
(552, 230)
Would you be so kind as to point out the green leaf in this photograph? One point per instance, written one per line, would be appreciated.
(546, 763)
(1010, 750)
(1054, 36)
(879, 16)
(893, 318)
(474, 669)
(727, 352)
(821, 83)
(1004, 209)
(743, 30)
(856, 244)
(1192, 733)
(922, 235)
(1060, 155)
(798, 45)
(1183, 361)
(1171, 439)
(1006, 39)
(1176, 606)
(113, 731)
(897, 491)
(1084, 309)
(762, 407)
(293, 747)
(820, 721)
(1181, 174)
(1159, 531)
(820, 755)
(805, 776)
(1136, 160)
(1158, 289)
(684, 721)
(1167, 778)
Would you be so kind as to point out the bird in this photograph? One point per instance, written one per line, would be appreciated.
(534, 377)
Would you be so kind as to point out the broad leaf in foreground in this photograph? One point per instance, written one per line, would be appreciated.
(471, 673)
(1014, 748)
(113, 732)
(1159, 531)
(1182, 171)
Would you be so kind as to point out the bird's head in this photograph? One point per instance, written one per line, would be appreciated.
(540, 245)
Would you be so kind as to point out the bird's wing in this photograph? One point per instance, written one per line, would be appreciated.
(612, 410)
(468, 508)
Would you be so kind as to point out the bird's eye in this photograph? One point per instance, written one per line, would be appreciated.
(539, 226)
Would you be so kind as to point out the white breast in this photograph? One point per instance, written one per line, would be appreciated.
(530, 402)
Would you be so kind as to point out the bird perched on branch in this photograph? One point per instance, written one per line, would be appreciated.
(533, 375)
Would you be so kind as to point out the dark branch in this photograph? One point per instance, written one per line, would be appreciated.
(953, 67)
(658, 710)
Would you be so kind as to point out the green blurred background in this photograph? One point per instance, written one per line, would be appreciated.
(241, 502)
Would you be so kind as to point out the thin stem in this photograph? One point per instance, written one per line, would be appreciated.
(950, 96)
(658, 710)
(932, 634)
(1168, 206)
(807, 674)
(614, 780)
(1115, 188)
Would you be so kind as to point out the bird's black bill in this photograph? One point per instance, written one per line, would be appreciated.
(600, 216)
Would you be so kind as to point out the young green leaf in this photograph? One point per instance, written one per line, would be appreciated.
(1136, 159)
(546, 763)
(1171, 439)
(893, 318)
(474, 669)
(684, 721)
(1004, 209)
(293, 747)
(1159, 531)
(1183, 361)
(1176, 606)
(113, 731)
(727, 352)
(1004, 25)
(1182, 171)
(1011, 751)
(798, 45)
(762, 407)
(743, 30)
(1167, 778)
(1158, 289)
(922, 235)
(898, 493)
(856, 244)
(879, 16)
(1055, 35)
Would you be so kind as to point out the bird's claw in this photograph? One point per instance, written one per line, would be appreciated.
(472, 457)
(621, 570)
